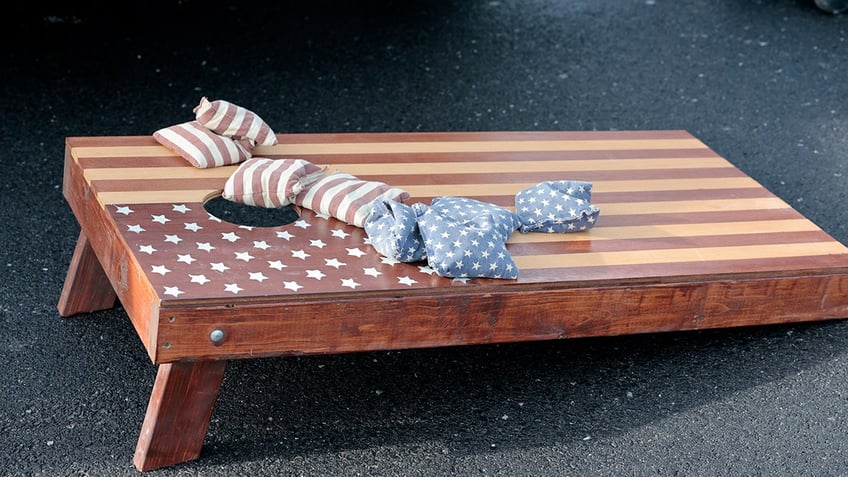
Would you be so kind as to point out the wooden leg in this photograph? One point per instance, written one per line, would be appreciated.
(86, 286)
(178, 414)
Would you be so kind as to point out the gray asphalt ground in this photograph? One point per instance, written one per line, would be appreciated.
(761, 82)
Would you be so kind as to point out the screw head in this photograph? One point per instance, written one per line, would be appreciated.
(217, 336)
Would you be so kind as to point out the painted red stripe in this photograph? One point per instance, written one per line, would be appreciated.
(318, 138)
(512, 177)
(618, 245)
(656, 272)
(419, 157)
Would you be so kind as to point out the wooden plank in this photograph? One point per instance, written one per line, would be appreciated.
(115, 172)
(672, 230)
(117, 260)
(478, 146)
(384, 322)
(687, 255)
(156, 195)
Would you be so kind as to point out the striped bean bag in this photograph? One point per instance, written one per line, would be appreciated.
(347, 197)
(202, 147)
(270, 183)
(228, 119)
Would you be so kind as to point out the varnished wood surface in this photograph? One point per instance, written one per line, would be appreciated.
(178, 413)
(674, 215)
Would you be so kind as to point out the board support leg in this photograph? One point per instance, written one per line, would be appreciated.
(86, 287)
(178, 414)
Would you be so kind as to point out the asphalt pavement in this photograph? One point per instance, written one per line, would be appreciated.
(762, 82)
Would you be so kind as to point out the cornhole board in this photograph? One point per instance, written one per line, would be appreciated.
(684, 241)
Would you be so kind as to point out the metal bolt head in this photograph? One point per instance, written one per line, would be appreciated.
(217, 336)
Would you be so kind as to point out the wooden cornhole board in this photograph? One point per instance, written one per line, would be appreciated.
(684, 241)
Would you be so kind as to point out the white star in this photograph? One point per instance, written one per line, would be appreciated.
(135, 228)
(173, 291)
(214, 219)
(219, 267)
(233, 288)
(160, 269)
(426, 269)
(148, 249)
(201, 279)
(389, 261)
(276, 264)
(258, 276)
(372, 272)
(187, 258)
(332, 262)
(316, 274)
(406, 281)
(317, 243)
(261, 244)
(284, 235)
(302, 224)
(246, 227)
(339, 233)
(294, 286)
(175, 239)
(299, 254)
(355, 252)
(244, 256)
(181, 208)
(350, 283)
(192, 226)
(205, 246)
(160, 219)
(229, 236)
(462, 280)
(321, 215)
(124, 210)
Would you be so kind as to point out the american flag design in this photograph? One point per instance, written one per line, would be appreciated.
(232, 120)
(189, 253)
(201, 147)
(672, 207)
(556, 207)
(466, 238)
(347, 197)
(392, 228)
(270, 183)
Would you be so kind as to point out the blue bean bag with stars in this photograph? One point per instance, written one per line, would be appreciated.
(392, 229)
(556, 206)
(466, 238)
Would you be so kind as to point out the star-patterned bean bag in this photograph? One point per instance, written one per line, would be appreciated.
(392, 229)
(466, 238)
(556, 206)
